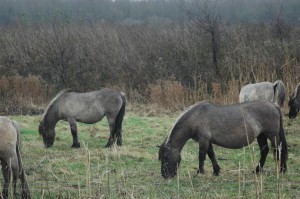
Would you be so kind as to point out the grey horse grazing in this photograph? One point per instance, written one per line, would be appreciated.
(294, 103)
(88, 108)
(10, 156)
(229, 126)
(267, 91)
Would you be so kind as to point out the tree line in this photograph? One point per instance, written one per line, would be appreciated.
(202, 57)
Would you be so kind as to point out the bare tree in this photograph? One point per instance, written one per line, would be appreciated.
(205, 15)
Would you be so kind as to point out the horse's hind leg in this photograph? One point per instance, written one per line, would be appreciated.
(275, 141)
(6, 175)
(74, 132)
(24, 185)
(212, 157)
(264, 150)
(112, 136)
(10, 170)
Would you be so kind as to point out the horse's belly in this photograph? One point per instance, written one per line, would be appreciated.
(89, 119)
(233, 142)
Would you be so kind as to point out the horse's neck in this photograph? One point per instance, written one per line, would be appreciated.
(178, 138)
(51, 119)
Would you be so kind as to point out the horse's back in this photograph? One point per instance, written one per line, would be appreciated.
(89, 107)
(258, 91)
(228, 125)
(261, 108)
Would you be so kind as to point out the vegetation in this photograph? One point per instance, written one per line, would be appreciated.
(133, 170)
(202, 52)
(165, 55)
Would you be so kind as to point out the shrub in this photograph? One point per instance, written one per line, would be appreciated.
(22, 94)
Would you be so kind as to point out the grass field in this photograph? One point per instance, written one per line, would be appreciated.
(133, 170)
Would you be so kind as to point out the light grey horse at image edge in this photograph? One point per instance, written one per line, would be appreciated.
(87, 108)
(11, 160)
(229, 126)
(266, 91)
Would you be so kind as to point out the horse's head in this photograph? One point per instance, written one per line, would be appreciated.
(48, 135)
(170, 160)
(294, 107)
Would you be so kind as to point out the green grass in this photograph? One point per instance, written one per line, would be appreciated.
(133, 170)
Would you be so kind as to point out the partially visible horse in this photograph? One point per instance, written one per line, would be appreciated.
(294, 103)
(229, 126)
(88, 108)
(267, 91)
(10, 157)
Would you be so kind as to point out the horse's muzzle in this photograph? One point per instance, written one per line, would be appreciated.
(48, 142)
(167, 173)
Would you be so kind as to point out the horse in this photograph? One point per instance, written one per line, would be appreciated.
(272, 92)
(10, 157)
(87, 108)
(294, 103)
(229, 126)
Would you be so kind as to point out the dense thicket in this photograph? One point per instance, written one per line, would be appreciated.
(198, 58)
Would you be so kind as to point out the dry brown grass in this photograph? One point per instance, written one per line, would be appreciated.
(18, 93)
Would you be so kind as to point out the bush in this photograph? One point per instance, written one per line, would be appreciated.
(22, 94)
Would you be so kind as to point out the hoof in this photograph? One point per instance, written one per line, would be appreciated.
(108, 145)
(200, 171)
(216, 174)
(283, 170)
(119, 143)
(217, 169)
(258, 170)
(76, 145)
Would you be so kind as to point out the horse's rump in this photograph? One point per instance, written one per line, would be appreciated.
(266, 91)
(10, 155)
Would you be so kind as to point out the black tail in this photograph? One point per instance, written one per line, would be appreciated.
(119, 119)
(284, 149)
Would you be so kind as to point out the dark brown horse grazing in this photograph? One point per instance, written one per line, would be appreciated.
(229, 126)
(88, 108)
(10, 157)
(294, 103)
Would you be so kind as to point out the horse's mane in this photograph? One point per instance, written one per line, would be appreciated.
(297, 91)
(51, 103)
(178, 119)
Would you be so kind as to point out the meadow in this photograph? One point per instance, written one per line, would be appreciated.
(133, 170)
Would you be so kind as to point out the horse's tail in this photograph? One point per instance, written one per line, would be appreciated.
(284, 149)
(279, 93)
(24, 185)
(119, 119)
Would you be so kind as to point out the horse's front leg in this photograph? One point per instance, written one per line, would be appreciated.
(74, 132)
(203, 147)
(212, 157)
